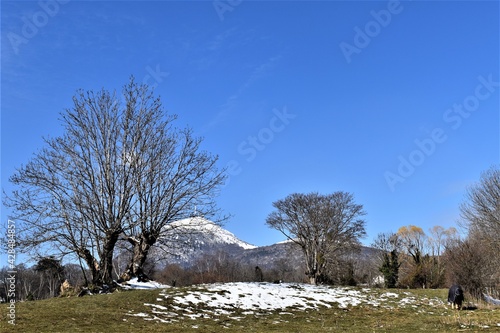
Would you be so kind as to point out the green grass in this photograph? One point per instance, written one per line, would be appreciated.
(112, 313)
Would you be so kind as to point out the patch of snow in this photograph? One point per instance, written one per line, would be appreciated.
(134, 284)
(236, 300)
(491, 300)
(286, 241)
(407, 300)
(267, 296)
(161, 307)
(140, 314)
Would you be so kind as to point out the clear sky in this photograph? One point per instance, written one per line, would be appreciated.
(397, 103)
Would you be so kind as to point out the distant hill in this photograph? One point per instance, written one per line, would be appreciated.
(188, 239)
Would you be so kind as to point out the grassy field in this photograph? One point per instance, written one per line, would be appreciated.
(121, 312)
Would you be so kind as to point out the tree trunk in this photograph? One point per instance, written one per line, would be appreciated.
(106, 260)
(135, 268)
(91, 263)
(310, 264)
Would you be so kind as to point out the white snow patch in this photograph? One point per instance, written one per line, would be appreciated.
(237, 300)
(407, 300)
(134, 284)
(269, 297)
(161, 307)
(140, 314)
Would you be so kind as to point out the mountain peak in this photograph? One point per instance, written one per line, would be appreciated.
(202, 232)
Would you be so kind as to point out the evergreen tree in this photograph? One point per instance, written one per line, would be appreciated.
(390, 269)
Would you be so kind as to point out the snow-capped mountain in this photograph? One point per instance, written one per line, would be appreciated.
(202, 232)
(187, 239)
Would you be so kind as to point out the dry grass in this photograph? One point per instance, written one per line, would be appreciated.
(115, 313)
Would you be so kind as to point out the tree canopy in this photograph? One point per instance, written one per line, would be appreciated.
(121, 170)
(322, 225)
(480, 210)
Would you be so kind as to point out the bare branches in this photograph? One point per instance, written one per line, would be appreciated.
(322, 225)
(120, 169)
(481, 209)
(171, 177)
(477, 259)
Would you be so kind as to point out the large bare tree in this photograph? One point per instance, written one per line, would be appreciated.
(322, 225)
(480, 211)
(480, 214)
(74, 194)
(474, 265)
(109, 176)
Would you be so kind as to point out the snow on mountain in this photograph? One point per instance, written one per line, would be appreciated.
(202, 232)
(185, 240)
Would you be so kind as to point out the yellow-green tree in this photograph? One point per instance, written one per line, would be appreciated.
(413, 240)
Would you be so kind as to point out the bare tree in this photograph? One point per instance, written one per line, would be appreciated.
(75, 193)
(415, 272)
(438, 238)
(480, 214)
(480, 211)
(473, 264)
(119, 170)
(322, 225)
(389, 245)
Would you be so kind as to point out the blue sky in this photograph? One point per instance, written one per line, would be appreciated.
(397, 103)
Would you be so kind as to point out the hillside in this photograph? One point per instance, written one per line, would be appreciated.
(187, 239)
(255, 307)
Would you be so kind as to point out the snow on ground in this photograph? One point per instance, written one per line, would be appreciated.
(491, 300)
(134, 284)
(237, 300)
(267, 296)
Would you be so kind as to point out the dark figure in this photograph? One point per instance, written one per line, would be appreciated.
(456, 296)
(259, 277)
(141, 277)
